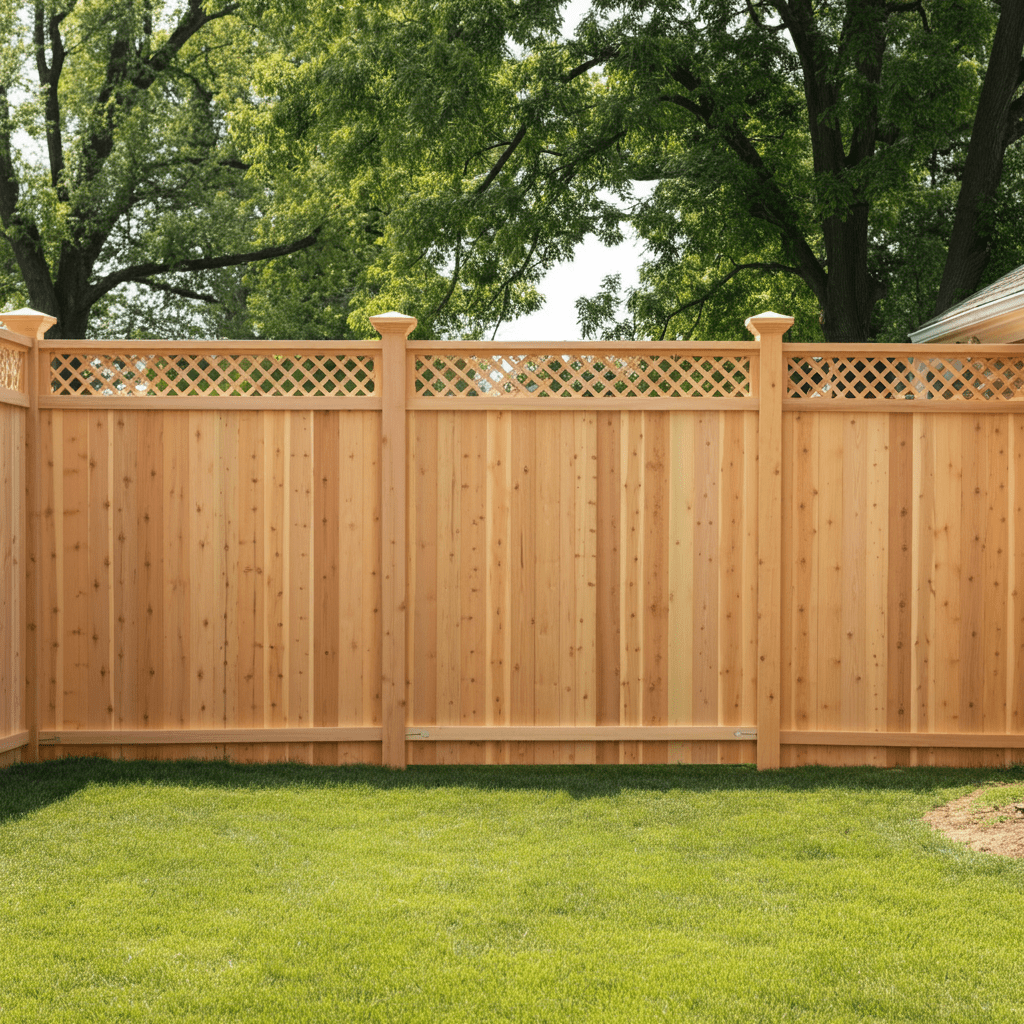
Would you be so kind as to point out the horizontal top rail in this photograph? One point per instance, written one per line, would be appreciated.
(8, 337)
(800, 348)
(583, 347)
(190, 347)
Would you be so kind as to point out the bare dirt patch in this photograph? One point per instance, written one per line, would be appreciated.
(990, 820)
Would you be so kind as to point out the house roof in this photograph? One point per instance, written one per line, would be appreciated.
(994, 314)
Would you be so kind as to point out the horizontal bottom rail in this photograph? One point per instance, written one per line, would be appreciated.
(579, 733)
(512, 734)
(967, 740)
(13, 742)
(439, 733)
(116, 737)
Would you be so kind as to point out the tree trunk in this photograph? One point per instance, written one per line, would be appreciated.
(850, 292)
(60, 299)
(970, 241)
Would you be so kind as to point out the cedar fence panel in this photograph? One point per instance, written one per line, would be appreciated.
(460, 552)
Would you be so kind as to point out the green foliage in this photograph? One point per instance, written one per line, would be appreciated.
(126, 206)
(806, 158)
(287, 169)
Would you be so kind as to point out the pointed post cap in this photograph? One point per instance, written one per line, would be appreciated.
(29, 323)
(393, 323)
(768, 323)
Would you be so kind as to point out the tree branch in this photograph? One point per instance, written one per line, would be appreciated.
(502, 160)
(1014, 122)
(455, 276)
(583, 68)
(773, 208)
(141, 271)
(712, 290)
(185, 293)
(113, 96)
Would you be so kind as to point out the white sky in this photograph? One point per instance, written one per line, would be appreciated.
(564, 284)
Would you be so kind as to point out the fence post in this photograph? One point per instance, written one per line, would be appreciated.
(768, 329)
(394, 329)
(32, 325)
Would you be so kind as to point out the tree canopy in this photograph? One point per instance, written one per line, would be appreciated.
(856, 163)
(124, 202)
(286, 168)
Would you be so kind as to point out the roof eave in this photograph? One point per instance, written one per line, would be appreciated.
(999, 321)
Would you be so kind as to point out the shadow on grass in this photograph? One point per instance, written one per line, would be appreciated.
(25, 788)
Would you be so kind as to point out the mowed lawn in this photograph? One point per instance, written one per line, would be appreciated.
(208, 892)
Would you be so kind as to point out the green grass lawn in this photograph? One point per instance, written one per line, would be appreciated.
(204, 892)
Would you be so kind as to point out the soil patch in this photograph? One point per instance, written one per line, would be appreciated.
(990, 819)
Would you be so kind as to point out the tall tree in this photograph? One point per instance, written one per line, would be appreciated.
(119, 180)
(853, 154)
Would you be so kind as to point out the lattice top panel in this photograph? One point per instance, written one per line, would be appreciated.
(984, 378)
(12, 368)
(139, 376)
(582, 375)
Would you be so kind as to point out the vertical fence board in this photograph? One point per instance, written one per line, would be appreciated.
(899, 583)
(449, 569)
(950, 577)
(472, 580)
(584, 547)
(368, 556)
(655, 681)
(567, 552)
(608, 597)
(830, 591)
(498, 585)
(546, 538)
(680, 578)
(876, 578)
(802, 568)
(423, 578)
(731, 503)
(327, 470)
(129, 618)
(707, 438)
(524, 525)
(231, 468)
(1015, 611)
(75, 582)
(299, 680)
(631, 561)
(249, 589)
(923, 559)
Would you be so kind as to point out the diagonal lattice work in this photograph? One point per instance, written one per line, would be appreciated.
(980, 378)
(12, 368)
(512, 375)
(211, 375)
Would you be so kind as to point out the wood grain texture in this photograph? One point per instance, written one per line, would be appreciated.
(14, 523)
(180, 564)
(209, 574)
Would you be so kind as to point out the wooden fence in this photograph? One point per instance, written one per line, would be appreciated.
(417, 552)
